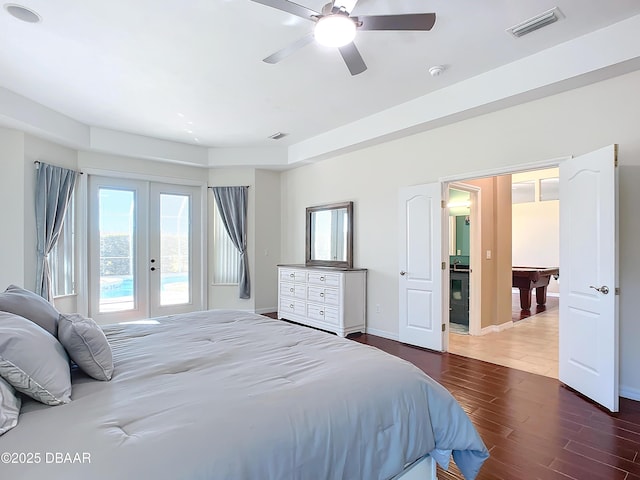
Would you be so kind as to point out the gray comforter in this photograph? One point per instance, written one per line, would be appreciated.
(232, 395)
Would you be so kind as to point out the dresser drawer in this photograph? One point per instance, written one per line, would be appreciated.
(292, 275)
(323, 313)
(295, 290)
(317, 294)
(292, 306)
(321, 278)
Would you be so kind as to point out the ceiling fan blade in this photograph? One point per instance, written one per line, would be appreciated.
(353, 59)
(289, 7)
(411, 21)
(286, 51)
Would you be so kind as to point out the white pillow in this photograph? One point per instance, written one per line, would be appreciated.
(33, 361)
(86, 344)
(31, 306)
(9, 407)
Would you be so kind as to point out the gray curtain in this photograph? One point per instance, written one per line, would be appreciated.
(54, 187)
(232, 205)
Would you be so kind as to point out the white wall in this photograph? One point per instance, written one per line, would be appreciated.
(267, 240)
(12, 213)
(536, 228)
(570, 123)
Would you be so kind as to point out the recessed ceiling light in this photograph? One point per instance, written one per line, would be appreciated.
(22, 13)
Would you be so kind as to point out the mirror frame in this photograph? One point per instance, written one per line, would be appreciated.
(330, 263)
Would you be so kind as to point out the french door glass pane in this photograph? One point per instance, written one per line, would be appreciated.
(174, 249)
(117, 249)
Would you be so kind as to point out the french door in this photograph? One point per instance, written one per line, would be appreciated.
(145, 249)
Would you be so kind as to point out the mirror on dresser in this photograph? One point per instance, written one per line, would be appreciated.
(329, 238)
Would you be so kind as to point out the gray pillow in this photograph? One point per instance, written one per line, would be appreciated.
(30, 306)
(9, 407)
(86, 344)
(33, 361)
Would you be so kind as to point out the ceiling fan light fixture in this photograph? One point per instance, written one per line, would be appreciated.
(335, 30)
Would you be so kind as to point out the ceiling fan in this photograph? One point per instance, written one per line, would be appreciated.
(336, 28)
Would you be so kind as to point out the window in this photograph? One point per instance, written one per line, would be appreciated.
(226, 257)
(62, 258)
(523, 192)
(549, 189)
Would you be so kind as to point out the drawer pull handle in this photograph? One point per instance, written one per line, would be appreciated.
(292, 275)
(322, 294)
(291, 305)
(322, 279)
(321, 312)
(291, 290)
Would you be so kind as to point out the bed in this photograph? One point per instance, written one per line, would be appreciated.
(233, 395)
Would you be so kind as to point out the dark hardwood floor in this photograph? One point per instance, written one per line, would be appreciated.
(533, 426)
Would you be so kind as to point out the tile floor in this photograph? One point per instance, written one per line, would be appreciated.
(531, 345)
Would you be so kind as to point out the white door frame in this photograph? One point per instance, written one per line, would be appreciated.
(475, 258)
(495, 172)
(82, 218)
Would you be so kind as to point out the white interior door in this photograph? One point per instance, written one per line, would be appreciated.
(145, 249)
(588, 345)
(420, 275)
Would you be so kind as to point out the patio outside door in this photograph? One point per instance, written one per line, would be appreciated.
(144, 249)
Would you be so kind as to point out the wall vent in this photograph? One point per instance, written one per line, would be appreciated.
(534, 23)
(277, 136)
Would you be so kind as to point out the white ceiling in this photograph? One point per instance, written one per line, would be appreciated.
(190, 70)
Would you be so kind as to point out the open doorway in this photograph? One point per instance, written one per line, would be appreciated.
(518, 227)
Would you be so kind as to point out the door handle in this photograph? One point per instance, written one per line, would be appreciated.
(153, 269)
(603, 289)
(403, 273)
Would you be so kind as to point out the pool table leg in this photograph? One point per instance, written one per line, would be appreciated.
(541, 295)
(525, 298)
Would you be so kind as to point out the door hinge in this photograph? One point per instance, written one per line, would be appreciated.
(444, 265)
(443, 204)
(615, 155)
(444, 327)
(617, 290)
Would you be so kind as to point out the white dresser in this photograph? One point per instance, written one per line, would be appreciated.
(322, 297)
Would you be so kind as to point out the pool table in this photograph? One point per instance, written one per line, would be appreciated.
(528, 278)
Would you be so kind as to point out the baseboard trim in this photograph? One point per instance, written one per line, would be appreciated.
(382, 333)
(496, 328)
(260, 311)
(630, 393)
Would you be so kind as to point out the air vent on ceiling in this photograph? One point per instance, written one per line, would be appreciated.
(534, 23)
(277, 136)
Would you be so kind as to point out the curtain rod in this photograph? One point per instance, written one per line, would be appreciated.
(245, 186)
(38, 162)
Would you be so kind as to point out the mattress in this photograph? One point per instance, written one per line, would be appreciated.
(233, 395)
